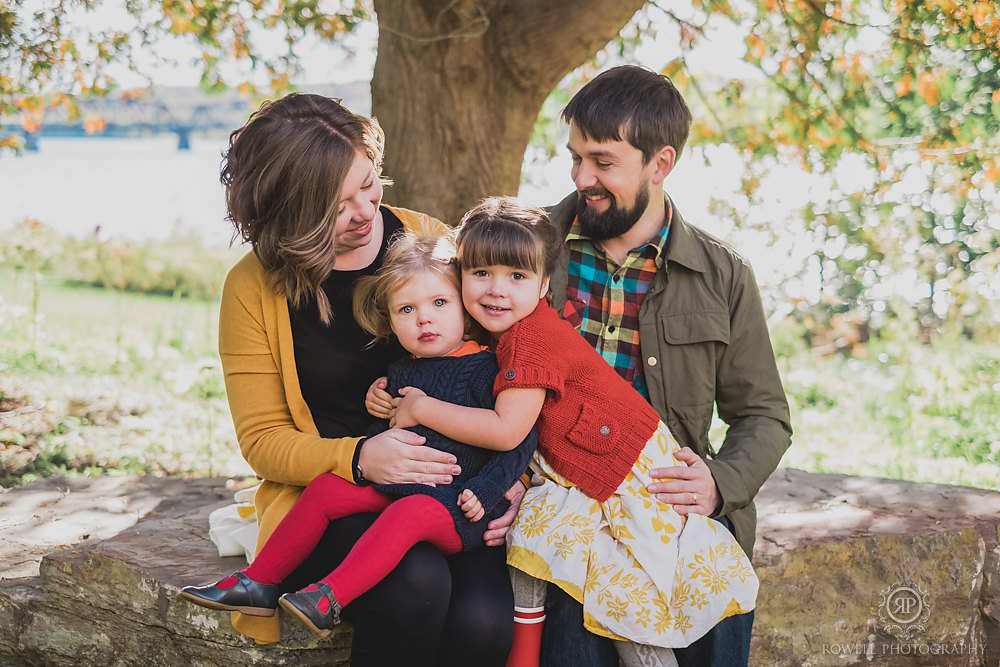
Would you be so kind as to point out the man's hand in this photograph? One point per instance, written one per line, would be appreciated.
(396, 456)
(689, 488)
(378, 401)
(497, 529)
(471, 507)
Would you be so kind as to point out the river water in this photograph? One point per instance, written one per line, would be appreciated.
(135, 188)
(145, 188)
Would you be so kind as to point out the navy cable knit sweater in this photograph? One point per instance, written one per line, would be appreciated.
(464, 380)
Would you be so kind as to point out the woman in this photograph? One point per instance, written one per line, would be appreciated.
(303, 189)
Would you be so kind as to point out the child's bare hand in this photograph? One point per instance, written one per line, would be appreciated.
(471, 507)
(404, 415)
(378, 402)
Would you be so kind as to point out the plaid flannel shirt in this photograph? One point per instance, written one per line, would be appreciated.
(603, 298)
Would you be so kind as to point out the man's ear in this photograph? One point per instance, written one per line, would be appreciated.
(663, 163)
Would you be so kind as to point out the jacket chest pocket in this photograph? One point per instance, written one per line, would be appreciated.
(691, 328)
(689, 352)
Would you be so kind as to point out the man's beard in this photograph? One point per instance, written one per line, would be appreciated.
(613, 222)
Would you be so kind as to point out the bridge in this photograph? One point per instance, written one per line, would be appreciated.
(173, 110)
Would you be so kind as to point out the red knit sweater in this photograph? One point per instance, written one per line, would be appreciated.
(593, 423)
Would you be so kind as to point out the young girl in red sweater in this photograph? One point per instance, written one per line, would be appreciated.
(414, 296)
(643, 572)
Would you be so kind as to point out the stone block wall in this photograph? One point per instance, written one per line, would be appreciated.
(853, 571)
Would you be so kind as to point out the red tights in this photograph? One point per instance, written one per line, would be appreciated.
(402, 523)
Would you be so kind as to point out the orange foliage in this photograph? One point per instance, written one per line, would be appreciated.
(755, 45)
(671, 69)
(983, 13)
(11, 141)
(928, 88)
(688, 35)
(31, 123)
(991, 170)
(132, 94)
(59, 99)
(94, 125)
(904, 85)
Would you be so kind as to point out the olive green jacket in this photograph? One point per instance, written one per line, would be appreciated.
(705, 343)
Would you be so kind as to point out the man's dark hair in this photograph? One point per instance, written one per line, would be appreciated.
(633, 104)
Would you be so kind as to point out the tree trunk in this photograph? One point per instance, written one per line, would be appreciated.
(458, 85)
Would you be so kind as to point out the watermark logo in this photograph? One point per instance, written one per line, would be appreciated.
(904, 609)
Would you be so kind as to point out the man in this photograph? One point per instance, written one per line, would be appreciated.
(676, 312)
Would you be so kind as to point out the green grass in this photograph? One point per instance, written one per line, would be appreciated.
(102, 382)
(99, 381)
(928, 413)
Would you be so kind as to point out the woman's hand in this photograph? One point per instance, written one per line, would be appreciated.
(397, 456)
(405, 413)
(497, 529)
(378, 401)
(471, 507)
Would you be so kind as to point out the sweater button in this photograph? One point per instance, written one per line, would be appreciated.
(651, 361)
(605, 430)
(510, 375)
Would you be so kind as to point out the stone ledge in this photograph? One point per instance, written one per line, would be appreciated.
(829, 546)
(114, 601)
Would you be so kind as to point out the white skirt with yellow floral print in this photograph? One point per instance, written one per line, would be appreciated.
(642, 571)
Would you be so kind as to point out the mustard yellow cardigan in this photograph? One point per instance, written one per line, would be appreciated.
(274, 428)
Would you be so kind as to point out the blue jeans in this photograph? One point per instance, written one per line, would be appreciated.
(565, 643)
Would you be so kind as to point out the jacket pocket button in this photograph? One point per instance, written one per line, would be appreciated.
(651, 361)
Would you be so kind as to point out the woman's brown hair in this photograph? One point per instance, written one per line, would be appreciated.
(283, 173)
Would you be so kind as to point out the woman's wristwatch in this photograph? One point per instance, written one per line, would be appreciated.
(359, 474)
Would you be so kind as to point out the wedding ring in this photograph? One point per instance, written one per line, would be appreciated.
(694, 498)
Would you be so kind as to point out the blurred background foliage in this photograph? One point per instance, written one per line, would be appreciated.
(886, 319)
(895, 103)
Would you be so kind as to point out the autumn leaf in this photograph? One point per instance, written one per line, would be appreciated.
(11, 141)
(672, 68)
(904, 85)
(991, 170)
(30, 123)
(927, 87)
(755, 46)
(94, 125)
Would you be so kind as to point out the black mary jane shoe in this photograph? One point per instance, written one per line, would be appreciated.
(246, 596)
(304, 605)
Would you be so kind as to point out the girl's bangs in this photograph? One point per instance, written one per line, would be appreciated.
(504, 245)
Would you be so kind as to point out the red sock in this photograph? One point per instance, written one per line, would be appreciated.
(528, 624)
(402, 524)
(327, 497)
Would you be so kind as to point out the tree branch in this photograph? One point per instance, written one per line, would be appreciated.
(476, 26)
